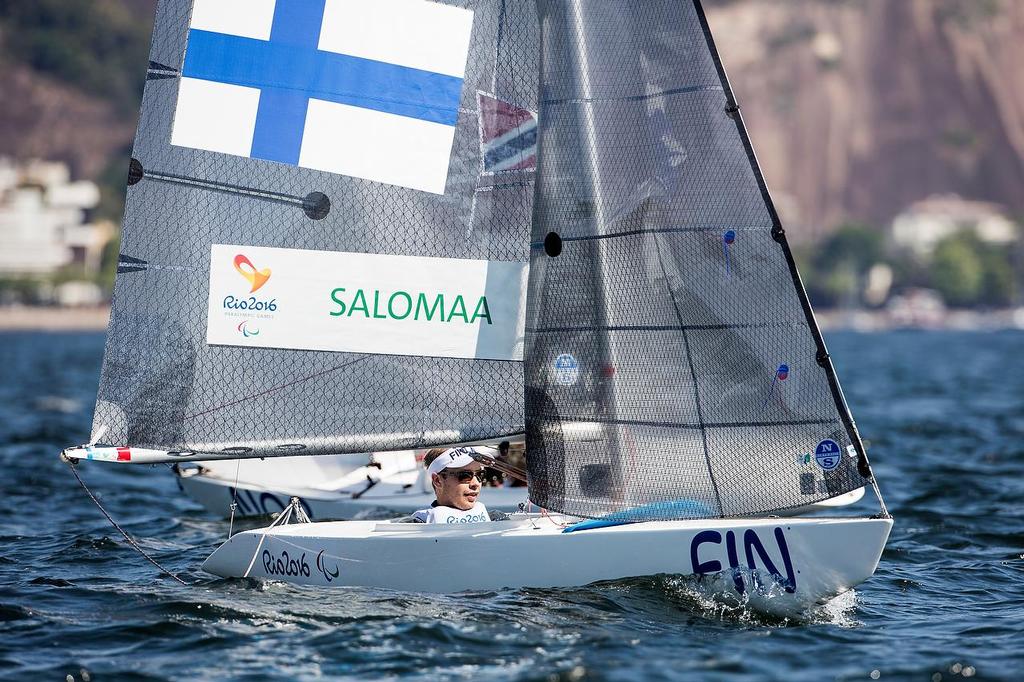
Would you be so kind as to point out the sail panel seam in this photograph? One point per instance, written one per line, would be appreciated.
(225, 187)
(635, 98)
(633, 233)
(666, 328)
(702, 425)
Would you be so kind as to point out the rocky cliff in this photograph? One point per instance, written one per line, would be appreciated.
(856, 107)
(859, 107)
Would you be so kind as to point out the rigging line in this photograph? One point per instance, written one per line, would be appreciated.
(281, 520)
(131, 541)
(234, 498)
(693, 375)
(276, 388)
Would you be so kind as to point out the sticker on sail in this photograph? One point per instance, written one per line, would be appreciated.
(827, 454)
(366, 303)
(364, 88)
(728, 239)
(567, 369)
(508, 135)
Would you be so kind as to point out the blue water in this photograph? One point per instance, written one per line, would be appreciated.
(944, 414)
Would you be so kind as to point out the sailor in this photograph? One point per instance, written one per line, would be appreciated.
(457, 478)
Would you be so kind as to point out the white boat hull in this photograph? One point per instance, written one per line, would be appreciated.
(812, 560)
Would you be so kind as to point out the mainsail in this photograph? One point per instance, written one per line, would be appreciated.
(236, 146)
(673, 364)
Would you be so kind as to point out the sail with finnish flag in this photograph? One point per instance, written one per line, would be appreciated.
(332, 85)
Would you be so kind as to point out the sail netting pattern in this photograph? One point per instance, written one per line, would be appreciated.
(163, 387)
(673, 367)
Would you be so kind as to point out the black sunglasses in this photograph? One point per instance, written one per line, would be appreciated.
(465, 476)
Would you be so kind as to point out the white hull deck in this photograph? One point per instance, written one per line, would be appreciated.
(781, 565)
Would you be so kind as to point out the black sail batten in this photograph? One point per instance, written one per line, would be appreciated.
(673, 365)
(823, 358)
(163, 387)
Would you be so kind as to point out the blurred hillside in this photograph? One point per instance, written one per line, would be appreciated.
(859, 107)
(860, 110)
(856, 107)
(71, 76)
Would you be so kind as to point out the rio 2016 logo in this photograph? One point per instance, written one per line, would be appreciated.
(256, 278)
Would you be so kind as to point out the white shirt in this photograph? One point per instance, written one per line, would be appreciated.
(440, 514)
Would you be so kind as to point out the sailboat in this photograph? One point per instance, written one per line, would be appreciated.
(368, 225)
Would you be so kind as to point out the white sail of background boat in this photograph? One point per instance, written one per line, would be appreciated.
(331, 209)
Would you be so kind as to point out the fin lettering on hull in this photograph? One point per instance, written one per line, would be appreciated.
(759, 560)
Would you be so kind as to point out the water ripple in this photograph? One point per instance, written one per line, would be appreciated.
(946, 425)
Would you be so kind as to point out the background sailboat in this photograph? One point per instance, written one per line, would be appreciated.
(377, 485)
(672, 362)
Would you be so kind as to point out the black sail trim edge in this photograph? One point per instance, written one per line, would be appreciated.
(863, 467)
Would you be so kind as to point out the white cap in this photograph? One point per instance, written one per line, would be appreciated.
(453, 458)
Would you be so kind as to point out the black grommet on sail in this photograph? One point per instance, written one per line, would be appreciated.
(135, 172)
(778, 234)
(316, 205)
(553, 244)
(821, 358)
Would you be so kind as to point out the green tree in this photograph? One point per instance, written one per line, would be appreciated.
(958, 271)
(856, 245)
(834, 273)
(998, 283)
(108, 264)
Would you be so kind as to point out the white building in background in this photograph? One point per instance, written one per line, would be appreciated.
(923, 224)
(43, 224)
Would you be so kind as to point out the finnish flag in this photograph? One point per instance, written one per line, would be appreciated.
(365, 88)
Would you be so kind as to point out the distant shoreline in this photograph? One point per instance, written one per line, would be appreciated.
(28, 318)
(49, 319)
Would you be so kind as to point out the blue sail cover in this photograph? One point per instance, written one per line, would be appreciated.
(673, 365)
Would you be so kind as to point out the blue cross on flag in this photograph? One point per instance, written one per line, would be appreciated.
(365, 88)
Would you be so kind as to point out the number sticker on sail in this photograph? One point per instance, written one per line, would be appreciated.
(366, 303)
(366, 88)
